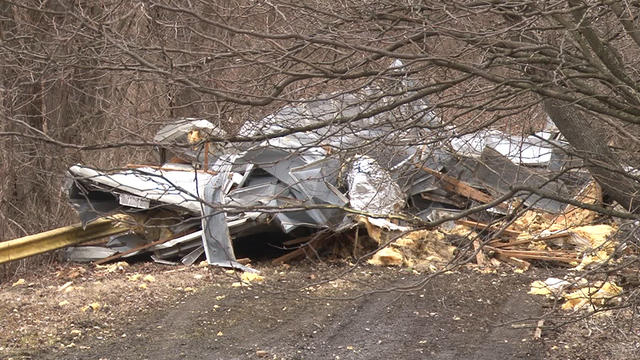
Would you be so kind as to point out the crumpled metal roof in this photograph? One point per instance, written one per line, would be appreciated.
(307, 178)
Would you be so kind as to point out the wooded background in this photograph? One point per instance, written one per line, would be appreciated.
(92, 81)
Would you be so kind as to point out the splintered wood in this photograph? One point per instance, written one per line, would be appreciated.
(569, 238)
(456, 186)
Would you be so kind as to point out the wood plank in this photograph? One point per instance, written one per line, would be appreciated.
(30, 245)
(480, 258)
(495, 227)
(297, 241)
(312, 245)
(560, 256)
(519, 263)
(529, 240)
(459, 187)
(243, 261)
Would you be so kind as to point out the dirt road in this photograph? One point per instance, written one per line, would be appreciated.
(462, 315)
(305, 311)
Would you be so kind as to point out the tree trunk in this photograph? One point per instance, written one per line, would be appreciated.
(578, 127)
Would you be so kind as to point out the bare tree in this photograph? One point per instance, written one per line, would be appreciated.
(81, 79)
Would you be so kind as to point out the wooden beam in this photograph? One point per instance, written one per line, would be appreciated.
(297, 241)
(494, 227)
(312, 245)
(557, 255)
(528, 240)
(480, 258)
(519, 263)
(459, 187)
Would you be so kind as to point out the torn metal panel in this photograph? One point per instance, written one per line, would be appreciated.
(245, 174)
(276, 162)
(260, 177)
(180, 240)
(215, 236)
(193, 256)
(315, 180)
(291, 220)
(125, 242)
(162, 261)
(182, 127)
(189, 134)
(87, 253)
(178, 250)
(179, 188)
(258, 195)
(307, 182)
(500, 174)
(422, 184)
(531, 150)
(372, 189)
(91, 204)
(134, 201)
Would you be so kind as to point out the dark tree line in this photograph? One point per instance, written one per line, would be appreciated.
(92, 81)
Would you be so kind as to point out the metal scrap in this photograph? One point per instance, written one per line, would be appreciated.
(337, 165)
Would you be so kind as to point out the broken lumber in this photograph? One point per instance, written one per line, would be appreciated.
(297, 241)
(480, 258)
(568, 257)
(459, 187)
(495, 242)
(302, 250)
(495, 227)
(518, 263)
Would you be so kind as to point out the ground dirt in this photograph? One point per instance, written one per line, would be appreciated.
(303, 311)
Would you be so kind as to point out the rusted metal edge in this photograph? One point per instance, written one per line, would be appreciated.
(58, 238)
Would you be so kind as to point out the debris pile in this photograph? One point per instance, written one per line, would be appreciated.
(342, 169)
(313, 197)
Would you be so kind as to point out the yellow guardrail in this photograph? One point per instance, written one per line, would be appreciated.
(58, 238)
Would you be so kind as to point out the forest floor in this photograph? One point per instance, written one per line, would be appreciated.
(308, 310)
